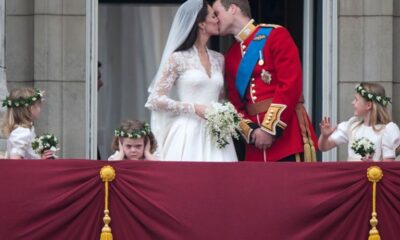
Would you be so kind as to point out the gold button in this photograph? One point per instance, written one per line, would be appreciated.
(253, 91)
(253, 85)
(252, 79)
(254, 98)
(244, 46)
(270, 114)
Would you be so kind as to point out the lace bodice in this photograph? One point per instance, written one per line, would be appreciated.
(184, 82)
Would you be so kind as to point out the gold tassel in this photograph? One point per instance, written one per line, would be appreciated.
(374, 175)
(308, 145)
(107, 174)
(313, 153)
(307, 152)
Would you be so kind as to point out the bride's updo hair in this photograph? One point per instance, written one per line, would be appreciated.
(201, 17)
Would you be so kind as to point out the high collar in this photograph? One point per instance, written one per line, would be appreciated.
(246, 31)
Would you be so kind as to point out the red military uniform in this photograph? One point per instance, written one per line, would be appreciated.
(272, 96)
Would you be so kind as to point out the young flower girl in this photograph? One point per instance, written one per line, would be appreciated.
(370, 134)
(133, 140)
(23, 108)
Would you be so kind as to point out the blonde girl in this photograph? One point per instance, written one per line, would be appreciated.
(133, 140)
(370, 126)
(23, 108)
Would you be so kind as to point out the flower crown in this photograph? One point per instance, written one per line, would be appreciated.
(138, 133)
(23, 101)
(382, 100)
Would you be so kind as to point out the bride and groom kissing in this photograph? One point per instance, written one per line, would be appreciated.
(260, 75)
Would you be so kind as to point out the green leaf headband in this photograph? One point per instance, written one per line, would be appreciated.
(144, 131)
(23, 102)
(384, 101)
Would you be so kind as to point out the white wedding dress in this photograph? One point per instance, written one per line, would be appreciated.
(181, 134)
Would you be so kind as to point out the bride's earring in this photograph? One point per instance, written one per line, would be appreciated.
(202, 26)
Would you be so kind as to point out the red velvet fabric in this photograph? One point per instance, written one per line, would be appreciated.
(64, 199)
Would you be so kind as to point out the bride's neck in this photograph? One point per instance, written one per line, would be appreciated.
(201, 44)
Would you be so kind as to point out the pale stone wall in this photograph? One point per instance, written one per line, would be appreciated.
(3, 85)
(368, 33)
(396, 62)
(46, 49)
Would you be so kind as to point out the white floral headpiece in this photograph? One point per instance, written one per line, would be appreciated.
(144, 131)
(382, 100)
(23, 102)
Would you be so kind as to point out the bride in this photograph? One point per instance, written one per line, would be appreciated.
(188, 80)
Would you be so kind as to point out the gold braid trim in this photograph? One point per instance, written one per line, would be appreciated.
(374, 175)
(245, 129)
(272, 118)
(107, 174)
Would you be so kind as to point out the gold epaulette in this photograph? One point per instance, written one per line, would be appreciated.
(270, 25)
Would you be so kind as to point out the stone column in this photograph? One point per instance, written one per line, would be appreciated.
(59, 63)
(366, 50)
(3, 82)
(396, 64)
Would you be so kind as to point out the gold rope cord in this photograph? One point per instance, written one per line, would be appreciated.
(374, 175)
(107, 174)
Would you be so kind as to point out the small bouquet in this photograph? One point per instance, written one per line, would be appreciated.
(364, 147)
(45, 142)
(222, 121)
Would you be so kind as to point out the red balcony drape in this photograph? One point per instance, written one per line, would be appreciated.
(64, 199)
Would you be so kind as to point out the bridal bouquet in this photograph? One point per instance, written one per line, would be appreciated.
(364, 147)
(45, 142)
(222, 121)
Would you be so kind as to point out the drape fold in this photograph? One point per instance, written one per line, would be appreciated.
(64, 199)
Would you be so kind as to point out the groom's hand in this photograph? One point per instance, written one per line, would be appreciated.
(262, 139)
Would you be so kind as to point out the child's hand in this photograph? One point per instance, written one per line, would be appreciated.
(367, 158)
(120, 155)
(326, 127)
(147, 154)
(48, 154)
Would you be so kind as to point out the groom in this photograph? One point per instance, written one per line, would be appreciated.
(264, 83)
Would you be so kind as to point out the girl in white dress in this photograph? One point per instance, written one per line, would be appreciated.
(371, 121)
(189, 79)
(133, 140)
(23, 108)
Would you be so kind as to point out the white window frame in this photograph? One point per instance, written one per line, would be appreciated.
(91, 78)
(330, 67)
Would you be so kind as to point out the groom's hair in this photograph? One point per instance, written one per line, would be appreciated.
(201, 17)
(242, 4)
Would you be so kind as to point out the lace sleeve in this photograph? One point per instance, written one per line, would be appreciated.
(159, 99)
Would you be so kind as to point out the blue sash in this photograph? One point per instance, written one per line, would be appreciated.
(250, 59)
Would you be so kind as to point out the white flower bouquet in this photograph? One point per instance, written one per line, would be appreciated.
(222, 121)
(45, 142)
(364, 147)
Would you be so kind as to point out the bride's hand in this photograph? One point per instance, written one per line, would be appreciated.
(200, 110)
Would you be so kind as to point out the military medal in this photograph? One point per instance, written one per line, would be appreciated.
(261, 60)
(266, 76)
